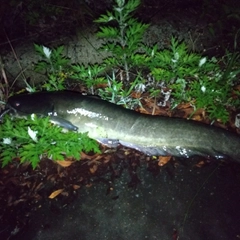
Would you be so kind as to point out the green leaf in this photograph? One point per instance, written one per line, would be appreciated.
(105, 18)
(52, 142)
(108, 32)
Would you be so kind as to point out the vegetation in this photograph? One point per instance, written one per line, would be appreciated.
(132, 67)
(35, 138)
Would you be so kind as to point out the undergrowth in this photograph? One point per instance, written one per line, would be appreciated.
(131, 68)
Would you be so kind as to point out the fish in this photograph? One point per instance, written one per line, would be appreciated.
(114, 125)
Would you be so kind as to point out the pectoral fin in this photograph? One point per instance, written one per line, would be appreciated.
(63, 123)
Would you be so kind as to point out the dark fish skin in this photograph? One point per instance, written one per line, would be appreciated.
(112, 124)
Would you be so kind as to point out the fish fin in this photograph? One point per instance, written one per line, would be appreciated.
(63, 123)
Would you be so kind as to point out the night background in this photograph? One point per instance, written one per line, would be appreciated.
(121, 193)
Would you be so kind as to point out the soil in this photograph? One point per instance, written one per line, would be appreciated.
(121, 196)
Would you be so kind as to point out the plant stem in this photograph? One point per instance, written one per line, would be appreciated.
(122, 26)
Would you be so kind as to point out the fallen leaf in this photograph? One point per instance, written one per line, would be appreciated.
(55, 193)
(96, 158)
(100, 85)
(93, 169)
(199, 115)
(107, 159)
(64, 163)
(38, 187)
(52, 178)
(37, 196)
(162, 160)
(85, 156)
(62, 174)
(184, 106)
(18, 201)
(75, 187)
(200, 164)
(65, 194)
(5, 171)
(136, 95)
(143, 110)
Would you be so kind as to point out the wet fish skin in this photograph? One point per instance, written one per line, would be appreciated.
(112, 124)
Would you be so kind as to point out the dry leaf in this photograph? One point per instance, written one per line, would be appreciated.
(75, 187)
(162, 160)
(37, 197)
(52, 178)
(38, 187)
(65, 194)
(93, 169)
(136, 95)
(85, 156)
(199, 115)
(55, 193)
(18, 201)
(143, 110)
(107, 159)
(184, 106)
(100, 85)
(64, 163)
(81, 179)
(96, 158)
(200, 164)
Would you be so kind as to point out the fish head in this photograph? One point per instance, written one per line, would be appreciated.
(26, 104)
(39, 104)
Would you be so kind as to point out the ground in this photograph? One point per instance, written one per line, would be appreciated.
(121, 196)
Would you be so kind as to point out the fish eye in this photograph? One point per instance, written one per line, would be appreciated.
(17, 104)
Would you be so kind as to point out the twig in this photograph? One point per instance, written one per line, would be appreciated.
(19, 65)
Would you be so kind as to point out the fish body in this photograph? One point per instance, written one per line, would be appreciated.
(112, 125)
